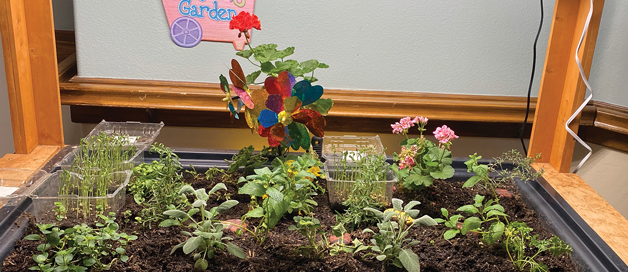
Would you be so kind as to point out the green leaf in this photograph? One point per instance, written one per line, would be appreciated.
(285, 65)
(192, 244)
(53, 238)
(470, 224)
(236, 251)
(495, 231)
(444, 212)
(470, 209)
(378, 214)
(446, 173)
(43, 247)
(245, 53)
(322, 65)
(124, 258)
(176, 214)
(219, 186)
(425, 220)
(409, 260)
(199, 203)
(471, 181)
(478, 200)
(40, 258)
(89, 262)
(381, 257)
(201, 264)
(120, 251)
(274, 194)
(253, 189)
(286, 52)
(411, 205)
(266, 52)
(309, 65)
(321, 106)
(450, 234)
(226, 205)
(186, 189)
(397, 204)
(33, 237)
(250, 79)
(201, 194)
(495, 213)
(176, 247)
(267, 67)
(255, 213)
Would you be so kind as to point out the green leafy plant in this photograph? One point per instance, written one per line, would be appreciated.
(156, 186)
(81, 247)
(518, 239)
(310, 227)
(390, 245)
(489, 212)
(60, 211)
(90, 174)
(522, 169)
(247, 159)
(359, 180)
(420, 160)
(287, 188)
(207, 235)
(339, 230)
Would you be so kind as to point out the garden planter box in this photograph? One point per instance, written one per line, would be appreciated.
(590, 251)
(79, 208)
(334, 146)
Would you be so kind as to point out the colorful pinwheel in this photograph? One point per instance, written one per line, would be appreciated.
(248, 98)
(285, 119)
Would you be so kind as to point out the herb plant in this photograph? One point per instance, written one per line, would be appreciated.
(287, 188)
(310, 227)
(521, 169)
(207, 235)
(390, 245)
(156, 186)
(247, 159)
(518, 239)
(91, 174)
(489, 212)
(81, 247)
(420, 160)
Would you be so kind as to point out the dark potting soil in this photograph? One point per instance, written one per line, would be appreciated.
(151, 252)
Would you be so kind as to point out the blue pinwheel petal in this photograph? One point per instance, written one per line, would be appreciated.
(240, 104)
(233, 111)
(307, 93)
(267, 118)
(287, 140)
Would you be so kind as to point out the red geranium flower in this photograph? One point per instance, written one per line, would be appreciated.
(245, 21)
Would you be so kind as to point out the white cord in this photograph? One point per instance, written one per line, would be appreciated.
(586, 101)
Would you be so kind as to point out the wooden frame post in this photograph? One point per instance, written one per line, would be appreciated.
(562, 90)
(30, 60)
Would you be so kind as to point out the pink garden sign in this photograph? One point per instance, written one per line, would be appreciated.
(193, 21)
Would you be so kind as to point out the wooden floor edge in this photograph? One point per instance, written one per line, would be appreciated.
(605, 220)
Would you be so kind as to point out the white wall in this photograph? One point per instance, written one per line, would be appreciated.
(6, 132)
(466, 47)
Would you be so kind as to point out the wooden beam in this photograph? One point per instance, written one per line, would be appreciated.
(28, 43)
(43, 58)
(607, 222)
(17, 65)
(562, 91)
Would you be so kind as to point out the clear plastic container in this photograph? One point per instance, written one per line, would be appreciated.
(140, 134)
(341, 181)
(66, 164)
(85, 209)
(334, 146)
(16, 183)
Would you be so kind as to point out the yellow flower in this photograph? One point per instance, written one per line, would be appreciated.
(265, 196)
(409, 219)
(315, 170)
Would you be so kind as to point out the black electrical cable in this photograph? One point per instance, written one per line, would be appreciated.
(525, 121)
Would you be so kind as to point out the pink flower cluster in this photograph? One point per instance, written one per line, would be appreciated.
(406, 158)
(444, 134)
(406, 123)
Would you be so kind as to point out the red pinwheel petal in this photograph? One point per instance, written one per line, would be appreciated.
(272, 85)
(272, 142)
(237, 75)
(286, 81)
(264, 132)
(313, 120)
